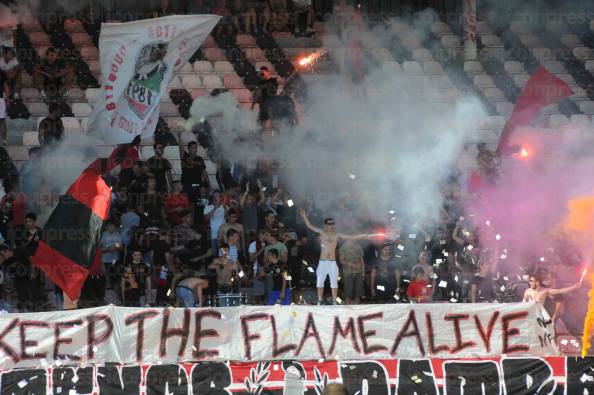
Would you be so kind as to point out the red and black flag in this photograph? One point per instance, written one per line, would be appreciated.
(70, 251)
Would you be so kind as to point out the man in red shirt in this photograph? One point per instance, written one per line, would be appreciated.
(175, 203)
(418, 290)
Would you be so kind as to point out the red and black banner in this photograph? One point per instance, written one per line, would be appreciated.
(69, 249)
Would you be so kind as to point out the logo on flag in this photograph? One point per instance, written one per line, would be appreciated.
(149, 71)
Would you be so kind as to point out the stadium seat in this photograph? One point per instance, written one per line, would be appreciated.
(29, 94)
(175, 83)
(554, 66)
(187, 68)
(514, 67)
(203, 66)
(542, 54)
(519, 27)
(381, 54)
(92, 94)
(71, 125)
(223, 67)
(483, 81)
(232, 81)
(26, 80)
(246, 40)
(411, 42)
(214, 54)
(209, 42)
(496, 122)
(580, 120)
(583, 53)
(198, 93)
(73, 26)
(556, 120)
(450, 41)
(489, 40)
(81, 39)
(18, 153)
(84, 123)
(579, 93)
(520, 79)
(391, 67)
(587, 107)
(494, 95)
(432, 68)
(399, 27)
(30, 139)
(550, 109)
(81, 109)
(168, 109)
(39, 39)
(412, 67)
(483, 28)
(568, 78)
(421, 82)
(94, 66)
(191, 81)
(89, 52)
(589, 65)
(530, 41)
(504, 108)
(37, 109)
(212, 81)
(571, 40)
(254, 55)
(242, 95)
(442, 81)
(76, 94)
(440, 28)
(422, 55)
(473, 67)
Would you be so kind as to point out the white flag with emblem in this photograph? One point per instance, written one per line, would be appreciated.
(138, 61)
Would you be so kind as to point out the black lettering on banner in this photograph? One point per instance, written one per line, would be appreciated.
(173, 377)
(367, 374)
(580, 375)
(111, 382)
(211, 378)
(79, 380)
(24, 382)
(471, 378)
(412, 377)
(528, 376)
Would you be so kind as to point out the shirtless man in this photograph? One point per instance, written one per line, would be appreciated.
(188, 287)
(327, 265)
(538, 294)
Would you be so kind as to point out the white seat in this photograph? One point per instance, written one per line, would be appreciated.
(432, 67)
(421, 82)
(450, 41)
(490, 40)
(30, 139)
(496, 121)
(473, 67)
(580, 120)
(391, 66)
(550, 109)
(554, 66)
(412, 67)
(212, 82)
(175, 83)
(587, 107)
(583, 53)
(568, 78)
(168, 109)
(401, 27)
(556, 120)
(483, 28)
(530, 40)
(520, 79)
(223, 67)
(92, 94)
(519, 27)
(579, 93)
(440, 28)
(422, 55)
(188, 68)
(571, 40)
(410, 41)
(589, 65)
(382, 54)
(504, 108)
(18, 153)
(81, 109)
(442, 81)
(483, 81)
(513, 67)
(203, 66)
(191, 81)
(494, 95)
(543, 54)
(37, 109)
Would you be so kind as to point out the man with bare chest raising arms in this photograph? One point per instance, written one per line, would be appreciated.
(327, 265)
(537, 293)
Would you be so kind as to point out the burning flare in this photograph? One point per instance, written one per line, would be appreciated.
(524, 153)
(588, 321)
(309, 59)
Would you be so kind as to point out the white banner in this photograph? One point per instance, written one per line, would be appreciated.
(138, 60)
(251, 333)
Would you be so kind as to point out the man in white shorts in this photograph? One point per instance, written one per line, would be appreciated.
(327, 266)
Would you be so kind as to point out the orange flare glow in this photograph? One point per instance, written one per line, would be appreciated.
(310, 59)
(588, 322)
(524, 153)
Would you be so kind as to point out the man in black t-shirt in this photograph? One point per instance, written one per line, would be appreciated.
(267, 88)
(52, 76)
(385, 275)
(194, 173)
(160, 168)
(51, 128)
